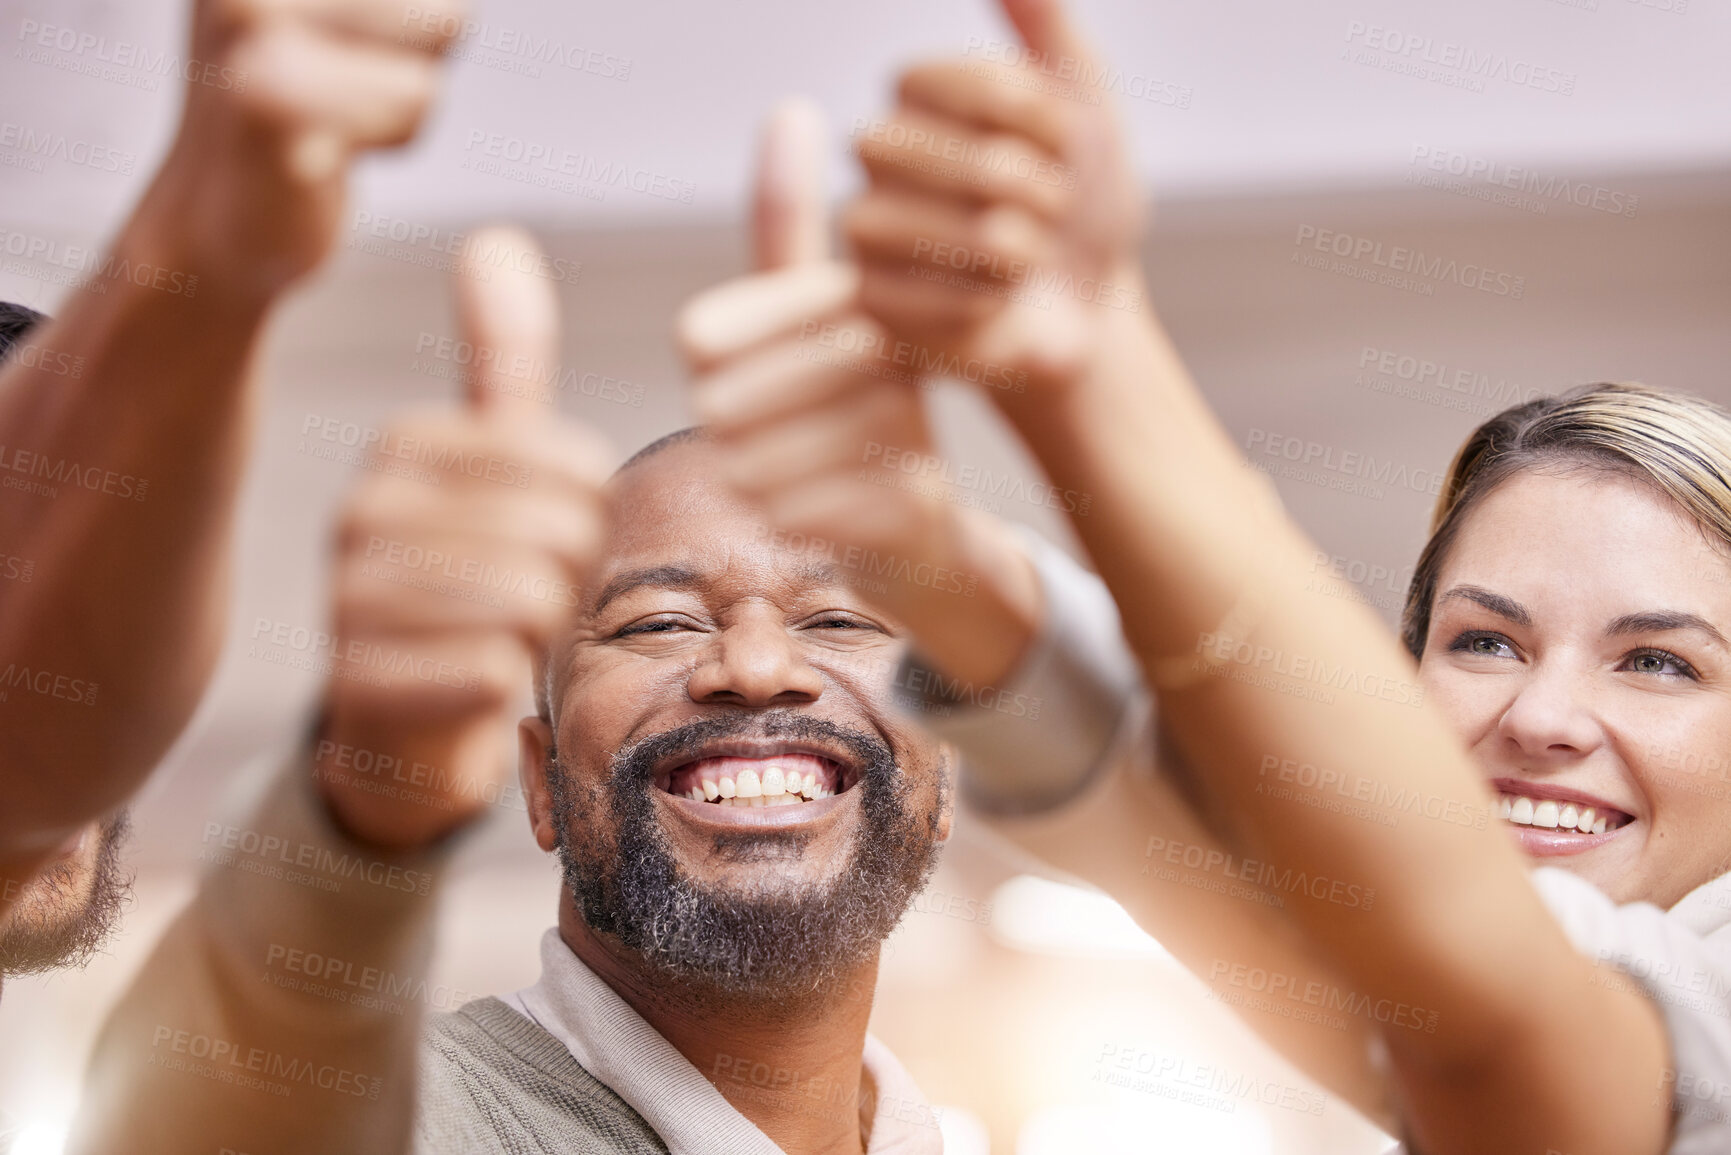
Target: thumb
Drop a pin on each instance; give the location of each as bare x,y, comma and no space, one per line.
790,221
511,319
1046,27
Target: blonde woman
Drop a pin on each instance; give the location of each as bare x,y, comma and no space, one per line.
1570,618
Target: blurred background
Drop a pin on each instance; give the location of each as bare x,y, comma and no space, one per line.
1573,155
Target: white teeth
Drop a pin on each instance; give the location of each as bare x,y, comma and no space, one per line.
696,794
726,788
810,787
795,781
710,790
1551,815
774,783
747,784
758,801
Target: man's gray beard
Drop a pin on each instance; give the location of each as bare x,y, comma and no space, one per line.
766,945
69,933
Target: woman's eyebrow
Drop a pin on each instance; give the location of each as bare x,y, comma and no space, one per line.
1658,621
1503,607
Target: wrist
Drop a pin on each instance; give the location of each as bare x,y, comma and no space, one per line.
389,789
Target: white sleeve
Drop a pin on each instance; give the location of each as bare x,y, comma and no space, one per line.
1687,977
1034,742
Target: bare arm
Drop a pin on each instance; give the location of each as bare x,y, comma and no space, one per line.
134,429
305,954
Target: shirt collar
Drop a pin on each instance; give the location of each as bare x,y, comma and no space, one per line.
619,1047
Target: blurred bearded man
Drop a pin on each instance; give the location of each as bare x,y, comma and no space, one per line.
742,816
62,915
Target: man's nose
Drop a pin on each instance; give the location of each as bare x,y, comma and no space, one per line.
757,662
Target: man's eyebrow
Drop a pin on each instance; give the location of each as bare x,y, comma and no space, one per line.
672,577
1658,621
1503,607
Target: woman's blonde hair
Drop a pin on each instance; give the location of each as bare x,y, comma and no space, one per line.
1680,445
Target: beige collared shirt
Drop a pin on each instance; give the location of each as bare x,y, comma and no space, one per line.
619,1047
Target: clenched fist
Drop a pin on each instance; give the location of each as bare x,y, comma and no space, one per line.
284,94
1003,220
445,592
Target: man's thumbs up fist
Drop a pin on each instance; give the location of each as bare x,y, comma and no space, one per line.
281,96
447,589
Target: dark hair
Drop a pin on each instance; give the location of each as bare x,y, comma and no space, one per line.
15,321
1679,445
677,437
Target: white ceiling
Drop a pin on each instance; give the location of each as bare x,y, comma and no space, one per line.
1272,103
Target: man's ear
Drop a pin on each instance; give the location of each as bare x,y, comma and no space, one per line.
949,765
534,762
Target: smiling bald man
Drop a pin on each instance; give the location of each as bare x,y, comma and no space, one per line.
742,816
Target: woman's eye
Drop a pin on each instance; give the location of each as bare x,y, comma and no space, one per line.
1485,645
1661,662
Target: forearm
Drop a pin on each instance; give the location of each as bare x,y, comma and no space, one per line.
281,1011
1189,546
133,466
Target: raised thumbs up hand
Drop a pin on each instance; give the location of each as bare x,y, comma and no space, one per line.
1003,220
458,561
819,412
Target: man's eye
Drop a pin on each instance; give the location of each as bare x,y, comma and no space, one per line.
654,626
1484,645
839,623
1661,662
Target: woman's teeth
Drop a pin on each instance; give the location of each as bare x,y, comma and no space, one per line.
776,787
1548,814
